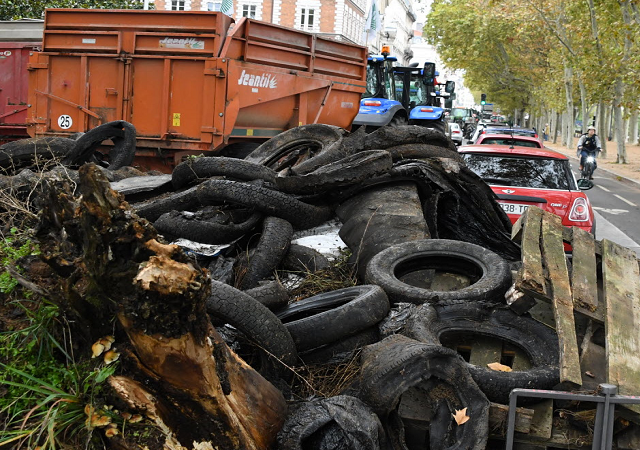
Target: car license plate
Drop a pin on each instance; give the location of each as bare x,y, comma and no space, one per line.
514,208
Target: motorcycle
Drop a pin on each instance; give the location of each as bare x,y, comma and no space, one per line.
588,167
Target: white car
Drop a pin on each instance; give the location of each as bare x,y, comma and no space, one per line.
455,133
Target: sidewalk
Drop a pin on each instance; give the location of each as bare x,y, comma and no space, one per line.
628,172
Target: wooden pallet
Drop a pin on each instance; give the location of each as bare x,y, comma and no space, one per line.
602,285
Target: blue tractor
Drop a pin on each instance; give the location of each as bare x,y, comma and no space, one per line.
381,103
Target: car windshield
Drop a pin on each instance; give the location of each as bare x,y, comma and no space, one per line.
539,173
459,112
509,141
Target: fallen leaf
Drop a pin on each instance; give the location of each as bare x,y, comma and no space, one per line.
460,416
499,367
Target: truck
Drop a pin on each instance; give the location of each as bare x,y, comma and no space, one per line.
17,40
191,82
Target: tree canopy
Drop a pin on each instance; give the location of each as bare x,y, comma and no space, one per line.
34,9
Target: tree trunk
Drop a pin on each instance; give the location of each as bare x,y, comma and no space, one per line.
567,140
618,122
584,110
633,128
602,120
179,370
556,124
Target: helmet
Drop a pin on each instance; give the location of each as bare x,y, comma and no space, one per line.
591,127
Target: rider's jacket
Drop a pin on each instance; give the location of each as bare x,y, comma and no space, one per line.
589,143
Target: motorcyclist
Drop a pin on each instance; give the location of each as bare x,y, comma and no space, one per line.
589,145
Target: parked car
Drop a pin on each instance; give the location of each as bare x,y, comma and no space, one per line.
525,176
509,139
455,133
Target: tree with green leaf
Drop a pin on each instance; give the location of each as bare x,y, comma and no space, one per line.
34,9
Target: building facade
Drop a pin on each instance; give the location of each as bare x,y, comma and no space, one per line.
343,20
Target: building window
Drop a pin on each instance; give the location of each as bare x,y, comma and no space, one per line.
249,11
214,6
177,5
307,19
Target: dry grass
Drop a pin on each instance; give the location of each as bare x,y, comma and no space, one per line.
325,380
337,276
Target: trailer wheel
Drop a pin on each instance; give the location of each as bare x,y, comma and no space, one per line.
120,132
403,271
296,145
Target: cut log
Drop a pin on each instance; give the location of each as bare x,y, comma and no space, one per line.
583,276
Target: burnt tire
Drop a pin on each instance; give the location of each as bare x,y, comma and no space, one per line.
533,338
489,274
271,294
273,203
422,151
397,366
386,137
304,259
294,146
272,246
344,172
180,201
258,324
24,152
178,224
120,132
195,170
340,422
332,316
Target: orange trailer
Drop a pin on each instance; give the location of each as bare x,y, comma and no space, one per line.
190,82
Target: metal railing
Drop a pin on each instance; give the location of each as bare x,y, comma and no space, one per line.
605,397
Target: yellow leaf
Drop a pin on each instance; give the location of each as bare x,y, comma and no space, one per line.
499,367
460,416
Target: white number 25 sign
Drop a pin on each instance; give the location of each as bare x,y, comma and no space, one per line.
65,122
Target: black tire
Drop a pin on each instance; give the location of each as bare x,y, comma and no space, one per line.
198,169
344,172
398,364
535,339
489,274
304,259
179,201
422,151
331,316
273,203
258,324
342,350
296,145
120,132
273,245
397,121
340,422
386,137
271,294
22,153
204,230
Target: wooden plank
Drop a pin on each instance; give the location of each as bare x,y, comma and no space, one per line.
584,279
622,306
556,266
518,227
542,422
531,276
498,416
485,351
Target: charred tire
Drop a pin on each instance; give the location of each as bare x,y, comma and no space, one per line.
397,364
331,316
179,201
422,151
300,215
340,422
538,341
489,273
257,323
344,172
120,132
177,224
386,137
17,154
304,259
199,169
271,294
273,245
343,349
296,145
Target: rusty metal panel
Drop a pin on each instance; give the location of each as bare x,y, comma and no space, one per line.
14,57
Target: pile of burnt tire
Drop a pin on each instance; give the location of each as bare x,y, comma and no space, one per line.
432,255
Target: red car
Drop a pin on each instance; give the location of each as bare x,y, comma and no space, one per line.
509,140
524,176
